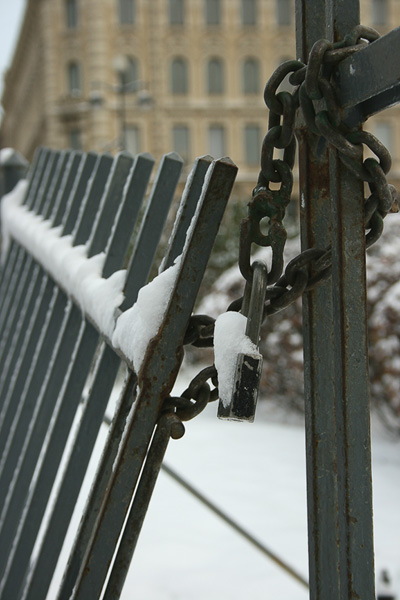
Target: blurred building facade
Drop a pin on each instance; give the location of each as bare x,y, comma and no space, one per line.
157,75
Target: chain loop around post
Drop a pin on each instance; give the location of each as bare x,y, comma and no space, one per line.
315,96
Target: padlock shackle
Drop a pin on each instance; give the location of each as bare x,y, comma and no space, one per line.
255,308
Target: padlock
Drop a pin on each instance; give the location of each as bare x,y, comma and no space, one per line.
247,373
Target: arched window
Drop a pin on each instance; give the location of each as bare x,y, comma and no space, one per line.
380,12
285,85
128,77
249,12
179,76
75,139
181,141
215,76
126,12
251,76
216,141
132,139
74,81
213,12
176,12
383,130
252,144
71,7
284,12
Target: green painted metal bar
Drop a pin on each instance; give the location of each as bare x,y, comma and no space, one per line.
13,293
30,296
22,300
8,261
35,334
144,250
28,402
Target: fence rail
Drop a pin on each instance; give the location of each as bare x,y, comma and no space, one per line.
69,280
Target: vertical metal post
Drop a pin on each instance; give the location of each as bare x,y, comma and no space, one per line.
317,327
351,359
335,347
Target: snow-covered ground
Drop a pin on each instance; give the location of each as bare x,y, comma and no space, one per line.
256,473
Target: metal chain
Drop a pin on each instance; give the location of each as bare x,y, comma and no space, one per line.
195,398
316,97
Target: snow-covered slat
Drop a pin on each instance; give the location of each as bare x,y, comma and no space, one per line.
8,261
17,255
106,369
28,295
70,235
115,196
36,317
156,377
91,421
25,299
75,344
24,406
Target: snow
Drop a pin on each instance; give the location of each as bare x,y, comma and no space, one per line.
139,324
257,475
78,275
6,154
230,340
14,198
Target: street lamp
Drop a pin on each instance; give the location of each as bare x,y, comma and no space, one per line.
123,69
128,83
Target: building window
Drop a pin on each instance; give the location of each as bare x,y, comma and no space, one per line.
215,76
216,141
249,12
132,139
213,12
75,139
384,132
251,76
176,12
380,12
179,76
181,141
74,79
284,12
126,12
252,144
285,85
72,13
128,78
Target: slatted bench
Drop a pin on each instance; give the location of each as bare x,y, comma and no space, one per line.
73,304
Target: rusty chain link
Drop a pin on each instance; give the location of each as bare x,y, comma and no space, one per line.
315,95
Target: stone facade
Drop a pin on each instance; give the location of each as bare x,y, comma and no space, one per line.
156,76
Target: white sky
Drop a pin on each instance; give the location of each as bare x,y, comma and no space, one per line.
11,13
